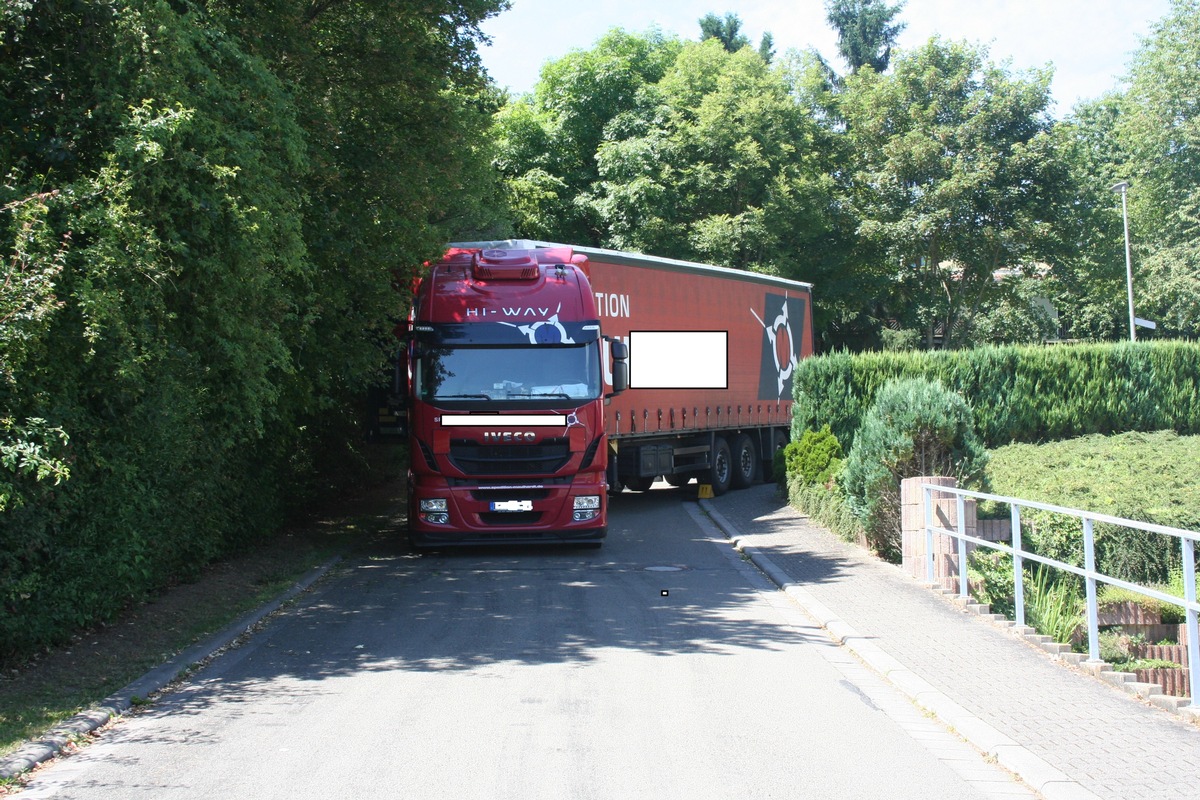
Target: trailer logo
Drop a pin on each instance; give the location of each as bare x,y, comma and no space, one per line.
781,347
546,331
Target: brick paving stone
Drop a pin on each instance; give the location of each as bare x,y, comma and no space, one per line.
1094,733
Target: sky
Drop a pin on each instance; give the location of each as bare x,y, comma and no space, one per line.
1089,42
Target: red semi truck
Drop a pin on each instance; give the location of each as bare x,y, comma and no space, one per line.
528,402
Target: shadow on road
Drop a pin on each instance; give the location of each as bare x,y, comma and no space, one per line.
658,587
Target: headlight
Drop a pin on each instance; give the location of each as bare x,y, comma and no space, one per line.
590,501
434,504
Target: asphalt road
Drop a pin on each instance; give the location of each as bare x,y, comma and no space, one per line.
660,666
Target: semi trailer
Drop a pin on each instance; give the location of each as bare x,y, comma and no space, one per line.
539,378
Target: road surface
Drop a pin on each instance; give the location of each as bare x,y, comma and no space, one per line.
660,666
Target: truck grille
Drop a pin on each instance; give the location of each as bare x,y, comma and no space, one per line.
496,495
546,457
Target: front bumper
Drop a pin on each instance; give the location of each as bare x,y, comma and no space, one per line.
517,512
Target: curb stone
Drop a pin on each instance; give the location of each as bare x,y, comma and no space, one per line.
1043,778
79,726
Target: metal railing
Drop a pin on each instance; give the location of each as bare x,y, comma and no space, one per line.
1088,572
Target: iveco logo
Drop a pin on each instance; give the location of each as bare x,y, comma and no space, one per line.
509,436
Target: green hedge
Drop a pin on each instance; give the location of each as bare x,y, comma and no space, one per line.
205,209
1018,394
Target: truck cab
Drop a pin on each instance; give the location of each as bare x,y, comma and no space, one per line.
506,400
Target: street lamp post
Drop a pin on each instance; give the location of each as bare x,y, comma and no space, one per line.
1122,187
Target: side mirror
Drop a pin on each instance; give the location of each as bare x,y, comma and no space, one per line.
400,375
620,367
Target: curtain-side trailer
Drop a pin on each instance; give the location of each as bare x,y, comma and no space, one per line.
711,356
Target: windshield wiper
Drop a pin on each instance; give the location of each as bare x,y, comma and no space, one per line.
552,394
461,397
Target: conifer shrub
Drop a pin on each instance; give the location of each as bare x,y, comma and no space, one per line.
1149,477
816,457
915,427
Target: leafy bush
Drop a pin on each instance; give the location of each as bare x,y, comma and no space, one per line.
1018,393
1115,646
901,340
1169,613
1149,663
916,427
990,574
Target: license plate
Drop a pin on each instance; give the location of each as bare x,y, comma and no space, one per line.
512,505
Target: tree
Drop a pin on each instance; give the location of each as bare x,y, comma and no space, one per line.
547,143
689,151
727,31
717,164
1160,126
1159,132
766,47
954,175
153,174
395,109
1168,285
1087,282
866,31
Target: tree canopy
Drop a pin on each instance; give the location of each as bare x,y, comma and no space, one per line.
925,190
900,193
955,177
1158,131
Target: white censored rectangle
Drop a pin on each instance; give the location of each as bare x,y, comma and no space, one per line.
679,359
523,420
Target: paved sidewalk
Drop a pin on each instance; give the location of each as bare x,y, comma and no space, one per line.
1066,733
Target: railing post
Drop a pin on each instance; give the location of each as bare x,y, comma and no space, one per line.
1018,567
928,534
962,547
1189,594
1089,564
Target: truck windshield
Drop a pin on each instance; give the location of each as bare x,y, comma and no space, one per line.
485,374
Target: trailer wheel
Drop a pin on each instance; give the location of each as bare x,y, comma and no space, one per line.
720,474
745,462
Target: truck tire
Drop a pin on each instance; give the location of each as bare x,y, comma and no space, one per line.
720,474
639,483
745,461
679,480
